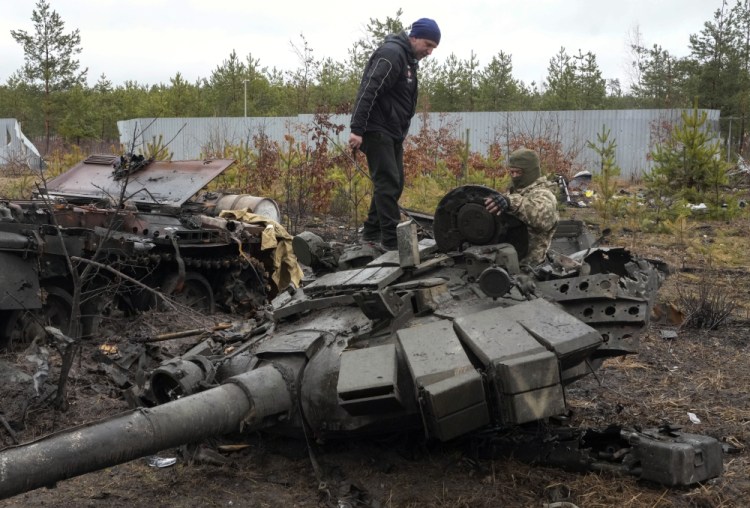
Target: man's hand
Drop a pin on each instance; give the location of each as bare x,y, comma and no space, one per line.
496,203
354,141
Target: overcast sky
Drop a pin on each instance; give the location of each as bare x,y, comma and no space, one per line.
149,41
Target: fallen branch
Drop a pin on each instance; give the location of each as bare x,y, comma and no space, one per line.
138,283
185,333
70,353
7,426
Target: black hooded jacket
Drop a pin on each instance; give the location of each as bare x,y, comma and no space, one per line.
387,96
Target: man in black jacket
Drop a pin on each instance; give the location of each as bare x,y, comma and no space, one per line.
385,103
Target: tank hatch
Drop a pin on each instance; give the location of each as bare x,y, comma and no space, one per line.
168,183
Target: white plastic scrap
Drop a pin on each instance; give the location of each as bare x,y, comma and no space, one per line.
155,461
694,418
40,359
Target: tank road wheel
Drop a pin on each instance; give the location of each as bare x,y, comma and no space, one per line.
10,329
195,291
461,217
57,308
20,326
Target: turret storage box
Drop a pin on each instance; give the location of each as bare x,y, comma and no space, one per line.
450,390
522,349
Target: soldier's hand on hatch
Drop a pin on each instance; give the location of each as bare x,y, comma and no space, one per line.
496,203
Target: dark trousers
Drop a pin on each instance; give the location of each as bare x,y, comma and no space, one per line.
385,157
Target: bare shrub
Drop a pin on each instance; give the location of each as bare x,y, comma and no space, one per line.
707,306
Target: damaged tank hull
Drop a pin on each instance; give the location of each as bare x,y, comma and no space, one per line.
448,338
142,225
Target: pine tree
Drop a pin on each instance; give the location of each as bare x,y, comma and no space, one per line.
605,180
688,164
720,55
593,89
49,56
662,77
562,91
497,89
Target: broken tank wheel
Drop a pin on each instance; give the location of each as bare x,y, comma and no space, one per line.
21,326
194,292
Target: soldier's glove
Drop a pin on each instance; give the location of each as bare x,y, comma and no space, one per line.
526,285
496,203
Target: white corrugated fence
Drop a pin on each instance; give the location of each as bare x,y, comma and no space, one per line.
635,131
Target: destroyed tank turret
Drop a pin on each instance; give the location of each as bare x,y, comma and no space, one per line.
138,218
447,336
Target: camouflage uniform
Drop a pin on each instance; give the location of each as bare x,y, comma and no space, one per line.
532,200
536,206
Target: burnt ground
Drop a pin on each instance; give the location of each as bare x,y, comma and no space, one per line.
704,372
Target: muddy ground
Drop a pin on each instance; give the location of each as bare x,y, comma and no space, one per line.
704,372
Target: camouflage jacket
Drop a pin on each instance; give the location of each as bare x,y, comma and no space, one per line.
536,206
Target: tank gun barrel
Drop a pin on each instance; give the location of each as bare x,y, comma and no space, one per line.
250,400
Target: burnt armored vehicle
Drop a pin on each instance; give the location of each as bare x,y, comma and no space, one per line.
447,336
143,219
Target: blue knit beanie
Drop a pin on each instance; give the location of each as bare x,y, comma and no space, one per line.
425,28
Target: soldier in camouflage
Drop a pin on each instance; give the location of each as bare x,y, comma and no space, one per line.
532,200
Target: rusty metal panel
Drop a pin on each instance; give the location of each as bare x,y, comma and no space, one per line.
169,183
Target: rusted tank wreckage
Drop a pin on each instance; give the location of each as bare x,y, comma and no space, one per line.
146,221
448,336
